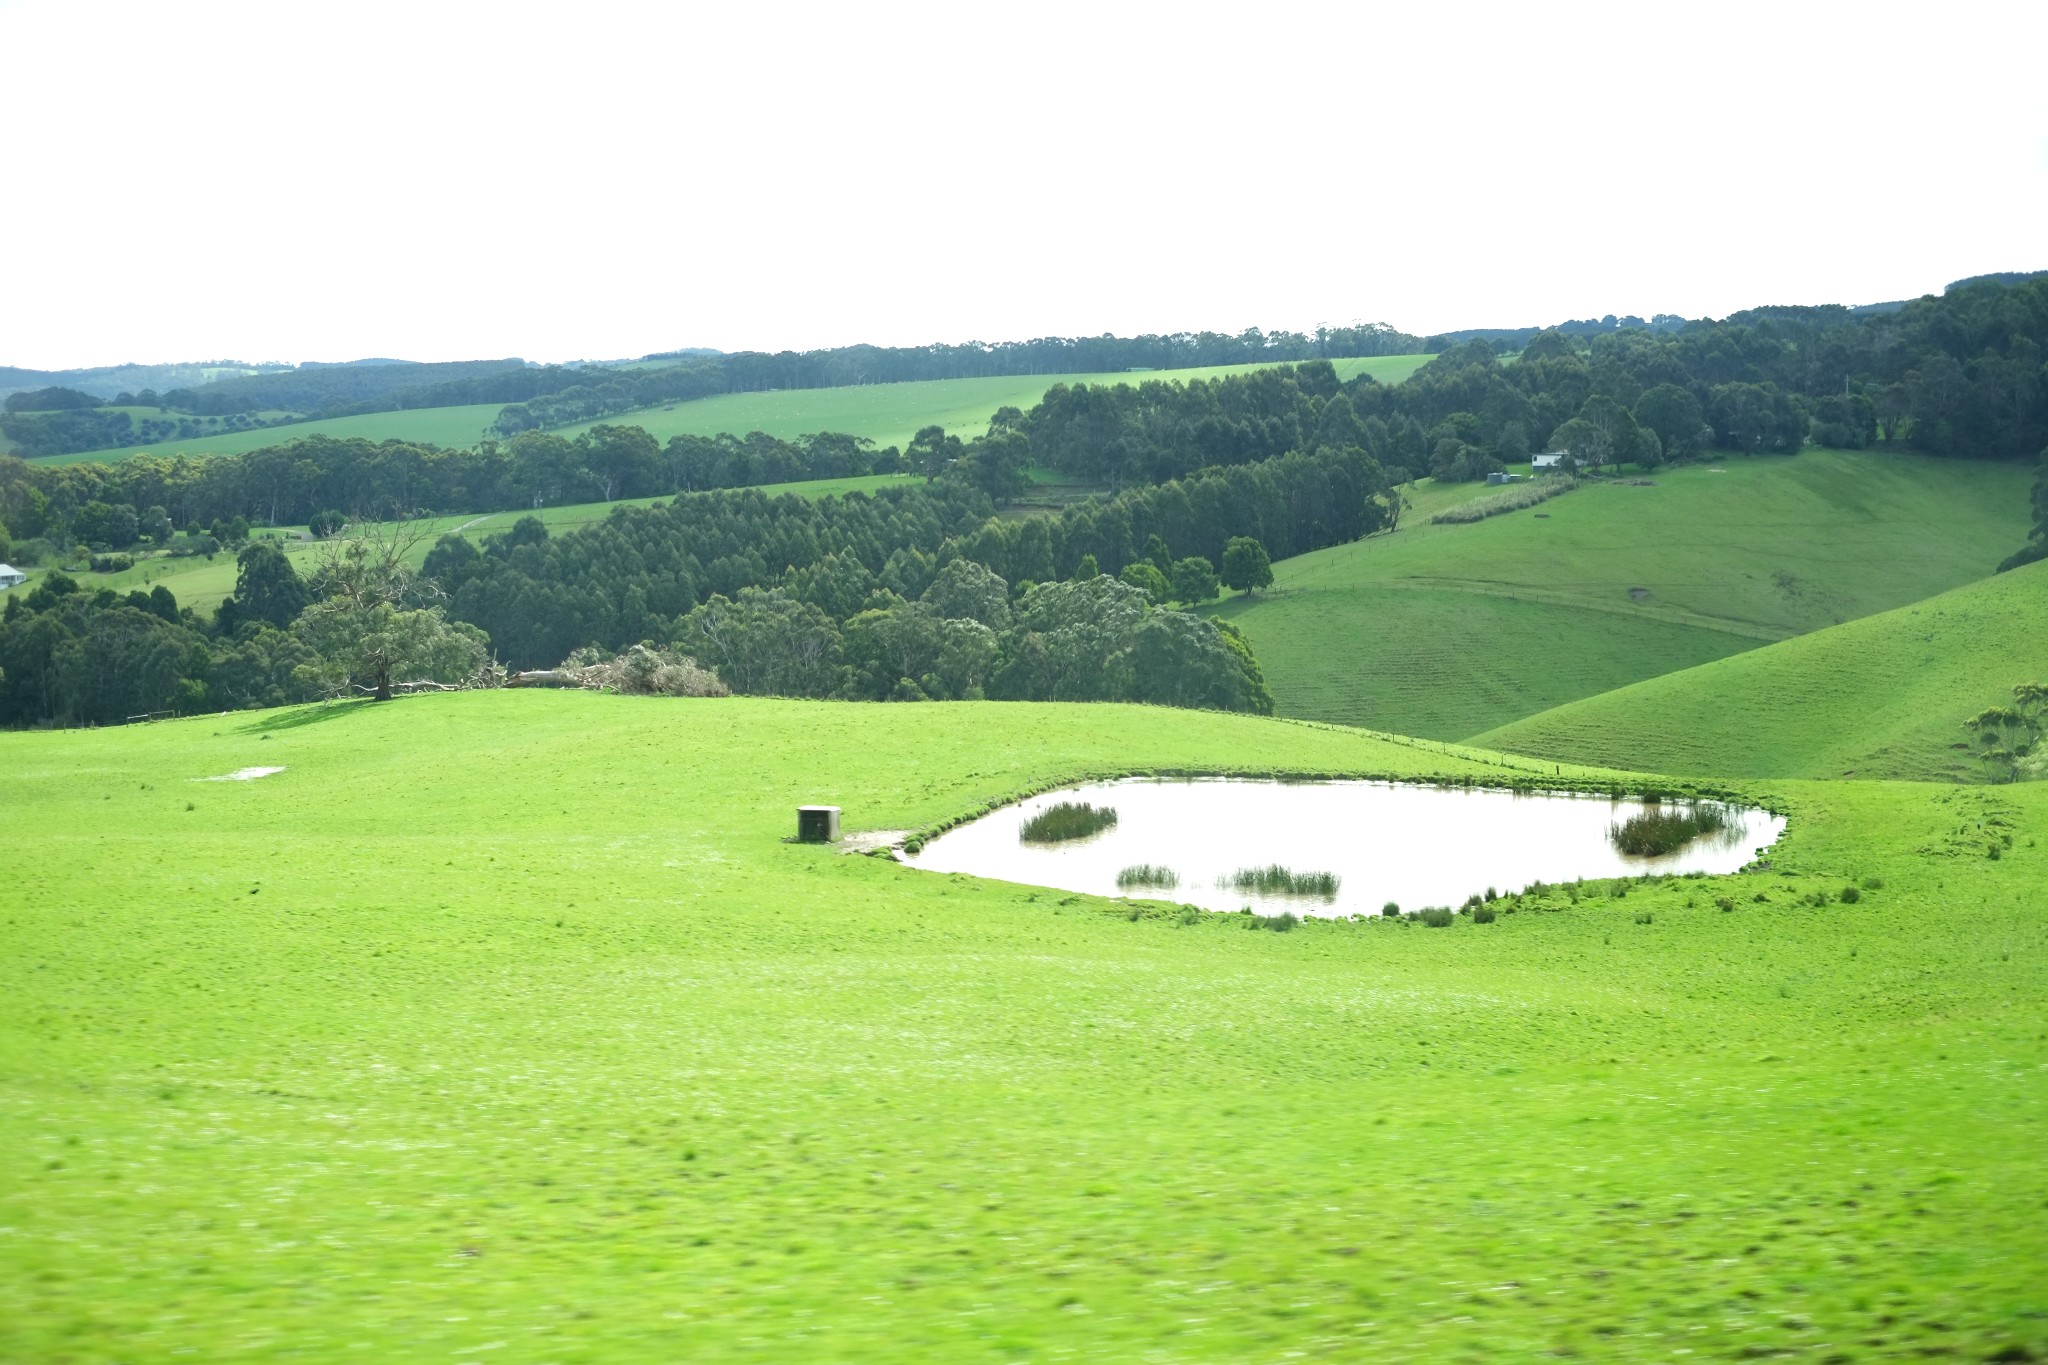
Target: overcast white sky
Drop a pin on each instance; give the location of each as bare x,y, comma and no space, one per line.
443,181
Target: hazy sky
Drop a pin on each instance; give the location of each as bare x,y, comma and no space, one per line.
440,181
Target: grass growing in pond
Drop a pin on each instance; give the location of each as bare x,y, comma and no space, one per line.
1280,881
1661,829
1147,874
1067,820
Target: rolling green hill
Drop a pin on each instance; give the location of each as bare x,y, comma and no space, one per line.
505,1027
1450,630
459,426
890,414
1885,696
886,413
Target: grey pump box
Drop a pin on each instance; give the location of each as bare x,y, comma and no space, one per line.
817,824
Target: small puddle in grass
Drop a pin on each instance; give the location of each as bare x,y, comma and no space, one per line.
1417,846
241,775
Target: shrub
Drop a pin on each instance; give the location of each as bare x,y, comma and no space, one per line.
1491,894
1391,910
1280,923
1660,830
1644,918
1850,895
1473,901
1067,820
1726,903
1873,883
1279,881
1485,914
1147,874
1437,917
112,563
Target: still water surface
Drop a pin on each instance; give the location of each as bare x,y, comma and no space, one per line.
1414,845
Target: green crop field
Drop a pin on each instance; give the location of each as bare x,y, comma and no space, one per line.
886,413
505,1027
1450,630
1885,696
202,583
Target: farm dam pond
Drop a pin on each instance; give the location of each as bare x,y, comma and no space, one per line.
1336,847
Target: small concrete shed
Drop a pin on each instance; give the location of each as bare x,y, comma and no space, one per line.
817,824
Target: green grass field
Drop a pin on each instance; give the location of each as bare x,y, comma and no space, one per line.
202,583
890,414
458,427
1885,696
1448,631
887,413
504,1027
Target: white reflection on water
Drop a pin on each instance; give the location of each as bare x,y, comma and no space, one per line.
1415,845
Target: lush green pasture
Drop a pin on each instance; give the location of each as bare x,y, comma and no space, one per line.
202,583
890,414
505,1027
1885,696
887,413
1452,630
458,426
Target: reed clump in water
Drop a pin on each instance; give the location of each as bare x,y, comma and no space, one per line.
1280,881
1663,829
1067,820
1147,875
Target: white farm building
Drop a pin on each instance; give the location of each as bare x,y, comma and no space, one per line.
11,577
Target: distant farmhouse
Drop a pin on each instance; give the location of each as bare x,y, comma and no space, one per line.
1549,459
11,577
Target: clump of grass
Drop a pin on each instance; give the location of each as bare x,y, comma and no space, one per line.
1067,820
1850,895
1280,881
1279,924
1437,916
1726,903
1147,874
1873,883
1662,829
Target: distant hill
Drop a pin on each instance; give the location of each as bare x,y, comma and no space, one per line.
1883,697
110,381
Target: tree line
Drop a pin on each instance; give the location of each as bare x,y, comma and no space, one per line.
1957,375
919,591
53,509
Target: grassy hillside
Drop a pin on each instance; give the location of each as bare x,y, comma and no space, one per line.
1451,630
458,426
1885,696
891,414
202,583
887,413
505,1027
